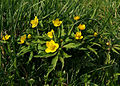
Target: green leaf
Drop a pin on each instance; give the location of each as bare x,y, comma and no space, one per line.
72,45
93,50
93,43
43,47
53,65
115,51
62,31
62,61
118,48
24,51
30,57
65,55
39,41
0,56
82,48
107,58
45,55
68,40
3,41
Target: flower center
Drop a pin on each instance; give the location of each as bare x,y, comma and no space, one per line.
52,47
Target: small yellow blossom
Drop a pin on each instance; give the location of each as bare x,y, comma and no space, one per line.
22,39
78,35
57,22
95,34
81,26
108,43
29,36
51,46
6,37
34,22
76,17
50,34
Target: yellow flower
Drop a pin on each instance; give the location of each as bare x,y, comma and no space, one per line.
78,35
29,36
108,43
76,17
57,22
51,46
34,22
22,39
50,34
81,26
6,37
95,34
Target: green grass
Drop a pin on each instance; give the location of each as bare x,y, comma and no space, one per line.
88,62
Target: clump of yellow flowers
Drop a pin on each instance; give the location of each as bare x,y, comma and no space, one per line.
50,34
51,46
78,35
34,22
22,39
81,26
56,22
76,17
6,37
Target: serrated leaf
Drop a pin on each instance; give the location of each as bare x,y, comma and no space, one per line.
72,45
45,55
53,65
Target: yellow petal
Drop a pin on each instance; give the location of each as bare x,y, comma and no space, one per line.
47,43
57,45
81,37
60,22
57,19
32,22
50,34
36,18
47,50
76,37
53,21
21,42
29,36
3,38
52,42
52,31
7,37
76,17
81,27
95,34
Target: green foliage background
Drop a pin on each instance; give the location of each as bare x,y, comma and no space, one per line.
89,62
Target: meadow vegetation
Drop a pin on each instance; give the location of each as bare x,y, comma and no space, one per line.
60,42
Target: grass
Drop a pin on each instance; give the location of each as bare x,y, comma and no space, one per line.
82,63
